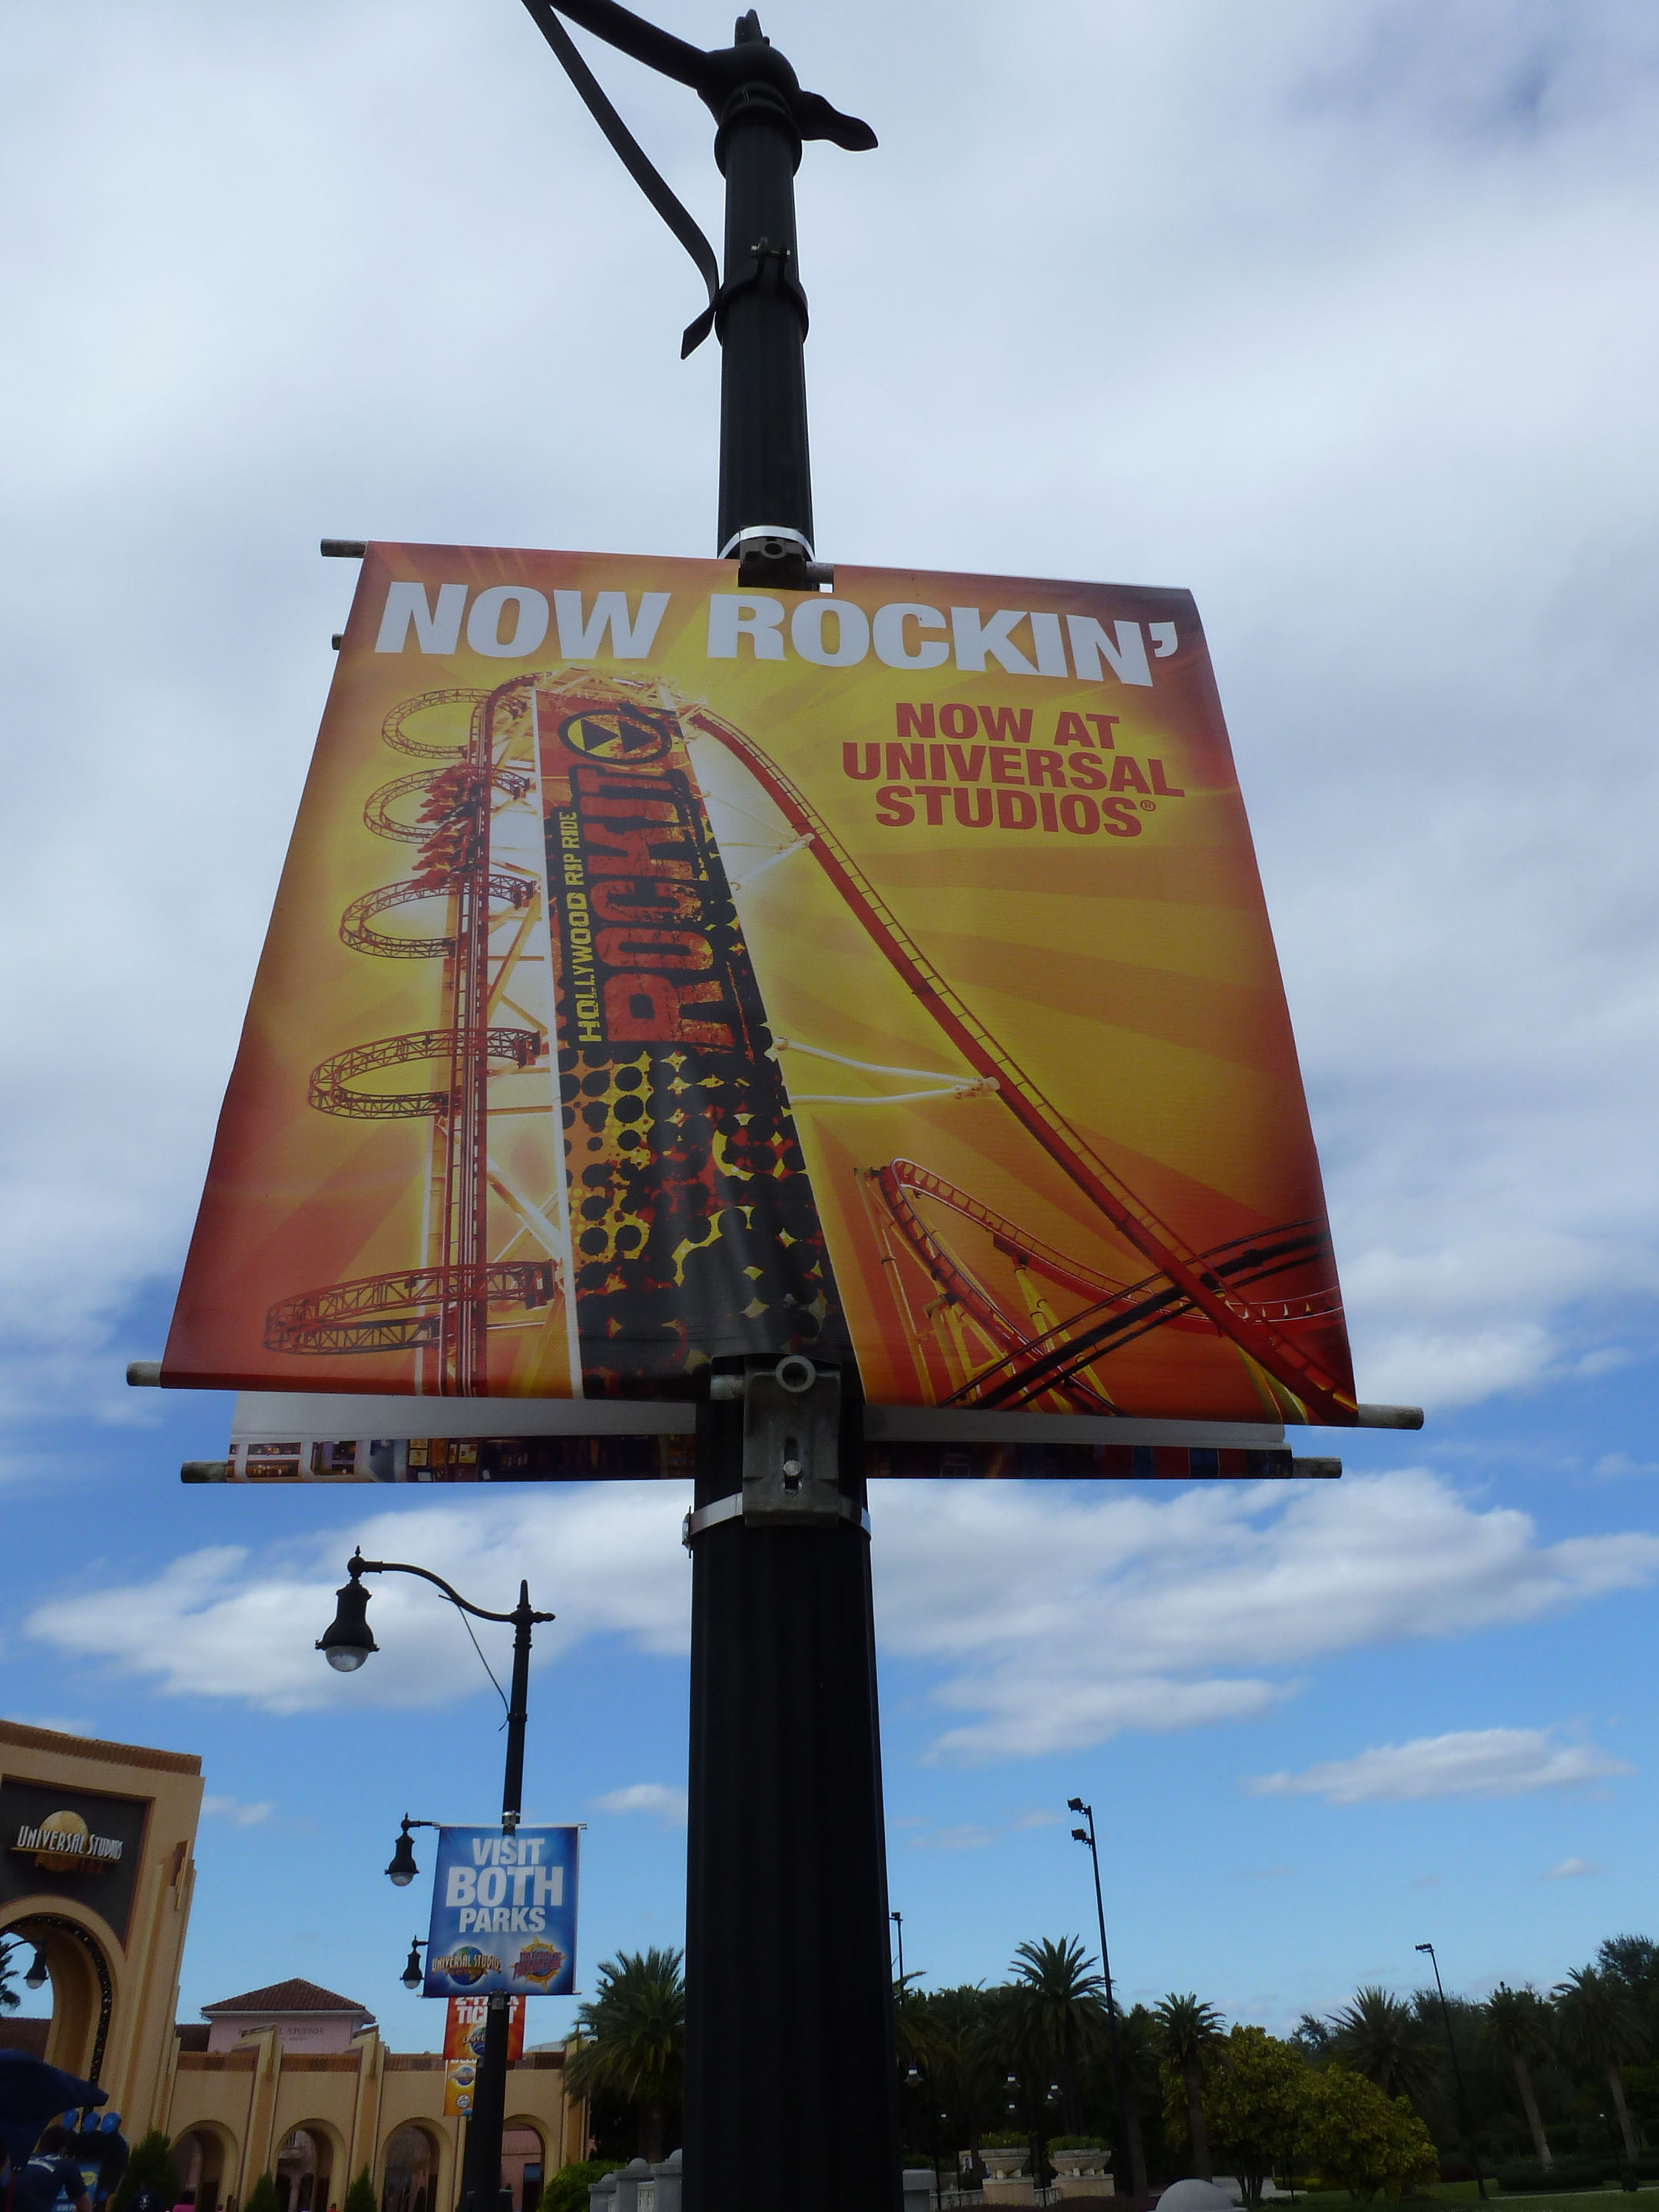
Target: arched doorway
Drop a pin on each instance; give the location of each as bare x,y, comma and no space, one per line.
203,2156
302,2172
83,1992
524,2163
411,2172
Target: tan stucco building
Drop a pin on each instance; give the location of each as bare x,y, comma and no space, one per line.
295,2081
97,1870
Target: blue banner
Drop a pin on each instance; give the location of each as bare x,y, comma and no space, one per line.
503,1913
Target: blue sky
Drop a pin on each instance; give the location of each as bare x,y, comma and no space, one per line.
1336,316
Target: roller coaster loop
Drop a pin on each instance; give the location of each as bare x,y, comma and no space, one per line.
331,1083
401,1312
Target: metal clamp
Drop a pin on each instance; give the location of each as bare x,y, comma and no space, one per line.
791,1449
731,1509
761,536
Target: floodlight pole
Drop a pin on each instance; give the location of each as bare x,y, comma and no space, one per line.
789,2004
1457,2070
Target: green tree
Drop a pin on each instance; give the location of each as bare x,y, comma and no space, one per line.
1060,2014
263,2197
1600,2027
1361,2138
359,2197
1516,2030
151,2165
9,1998
1188,2032
632,2040
1253,2102
1381,2037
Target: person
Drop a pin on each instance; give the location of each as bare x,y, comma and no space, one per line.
36,2185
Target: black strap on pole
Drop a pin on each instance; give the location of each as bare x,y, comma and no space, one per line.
638,165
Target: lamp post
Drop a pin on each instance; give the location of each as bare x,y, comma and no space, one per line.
1119,2107
788,1980
898,1919
346,1644
1457,2070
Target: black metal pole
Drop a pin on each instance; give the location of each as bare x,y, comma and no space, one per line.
1121,2110
789,2022
898,1919
480,2178
1457,2070
766,472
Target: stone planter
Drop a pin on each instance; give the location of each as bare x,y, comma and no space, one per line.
1006,2161
1081,2173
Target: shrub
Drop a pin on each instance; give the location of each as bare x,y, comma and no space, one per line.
152,2165
567,2190
1530,2179
263,2197
360,2197
1075,2143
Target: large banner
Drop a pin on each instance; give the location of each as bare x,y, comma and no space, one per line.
662,971
503,1913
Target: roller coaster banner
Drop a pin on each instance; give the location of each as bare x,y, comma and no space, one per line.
663,971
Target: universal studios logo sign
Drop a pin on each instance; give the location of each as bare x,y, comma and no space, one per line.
62,1844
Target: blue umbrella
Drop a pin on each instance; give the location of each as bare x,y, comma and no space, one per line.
31,2094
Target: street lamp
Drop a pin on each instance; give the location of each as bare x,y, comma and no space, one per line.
898,1919
414,1974
349,1640
1119,2107
36,1977
346,1643
402,1869
1457,2071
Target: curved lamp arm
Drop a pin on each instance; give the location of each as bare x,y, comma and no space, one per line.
357,1565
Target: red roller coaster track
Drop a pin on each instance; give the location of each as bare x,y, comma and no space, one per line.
1192,1276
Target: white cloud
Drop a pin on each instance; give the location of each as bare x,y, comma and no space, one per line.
965,1836
233,1810
668,1803
1049,1616
1059,1615
1499,1762
1569,1869
218,1623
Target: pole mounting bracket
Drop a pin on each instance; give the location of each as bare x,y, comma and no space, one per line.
791,1451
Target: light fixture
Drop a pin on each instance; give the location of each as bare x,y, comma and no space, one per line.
1074,1804
348,1640
402,1869
36,1977
1079,1835
414,1975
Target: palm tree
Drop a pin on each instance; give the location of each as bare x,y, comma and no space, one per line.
1058,2013
1600,2025
1515,2028
632,2040
1381,2037
1187,2032
9,1999
1136,2047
